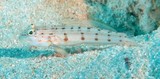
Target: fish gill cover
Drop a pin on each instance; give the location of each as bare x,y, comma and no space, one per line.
133,17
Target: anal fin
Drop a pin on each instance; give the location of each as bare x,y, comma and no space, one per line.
60,52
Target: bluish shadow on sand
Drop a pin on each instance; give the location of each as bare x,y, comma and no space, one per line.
23,53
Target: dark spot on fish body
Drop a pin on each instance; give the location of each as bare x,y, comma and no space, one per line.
82,38
88,28
50,33
63,28
96,33
65,33
109,35
79,28
109,40
42,33
71,27
120,40
82,33
65,37
96,39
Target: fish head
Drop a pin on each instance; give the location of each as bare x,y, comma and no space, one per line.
31,38
40,37
26,34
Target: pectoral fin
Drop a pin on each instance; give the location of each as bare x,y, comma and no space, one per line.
60,52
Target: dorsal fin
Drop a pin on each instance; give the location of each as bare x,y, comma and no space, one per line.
102,25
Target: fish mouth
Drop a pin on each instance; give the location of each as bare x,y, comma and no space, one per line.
21,36
24,37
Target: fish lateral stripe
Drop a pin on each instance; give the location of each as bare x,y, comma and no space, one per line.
72,35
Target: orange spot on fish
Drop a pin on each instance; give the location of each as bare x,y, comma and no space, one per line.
65,39
49,37
82,38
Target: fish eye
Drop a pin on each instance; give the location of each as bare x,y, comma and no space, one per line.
30,32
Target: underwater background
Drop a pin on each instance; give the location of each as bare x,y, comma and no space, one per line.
139,19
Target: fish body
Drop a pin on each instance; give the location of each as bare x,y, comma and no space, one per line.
69,36
61,36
